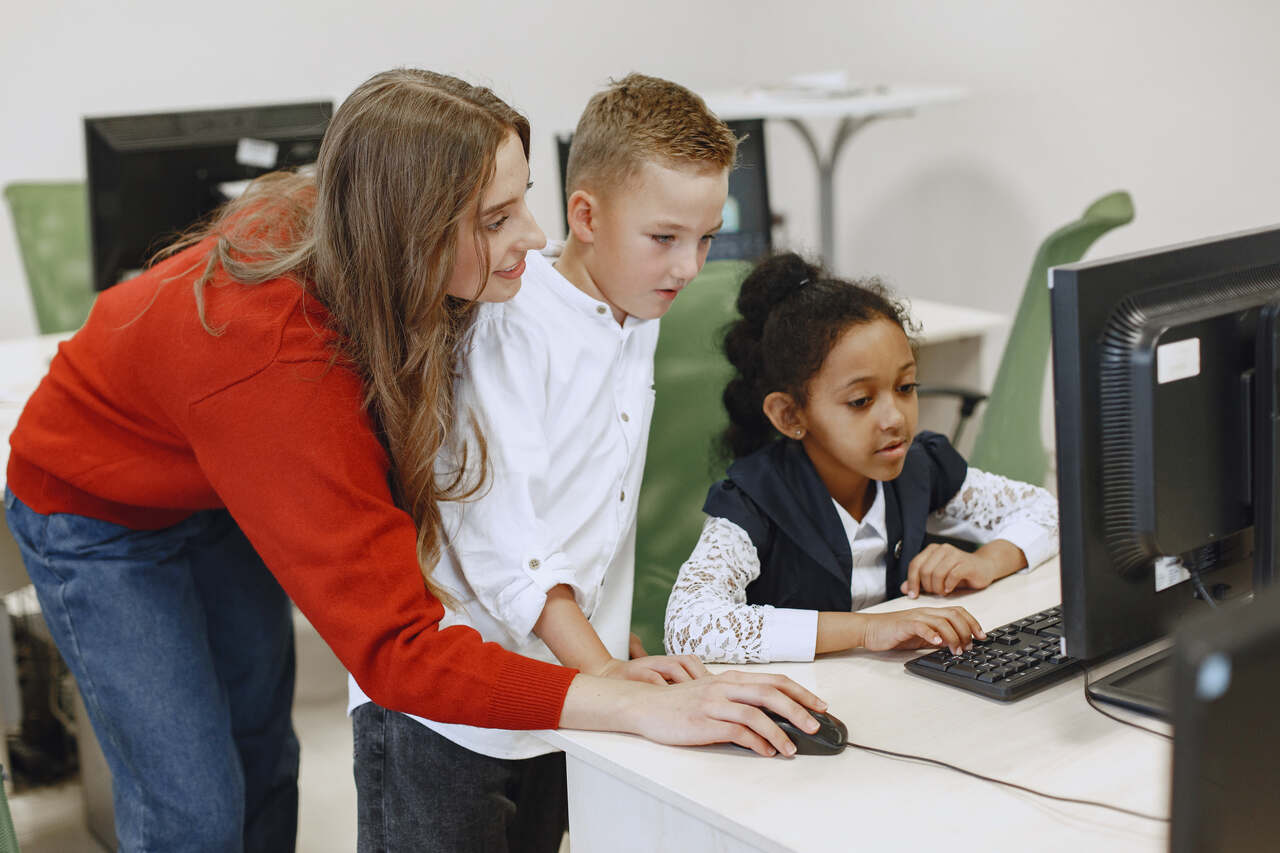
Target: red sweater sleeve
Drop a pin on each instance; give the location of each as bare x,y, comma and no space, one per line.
293,457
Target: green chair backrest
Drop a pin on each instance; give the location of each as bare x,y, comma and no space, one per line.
690,373
52,223
1009,440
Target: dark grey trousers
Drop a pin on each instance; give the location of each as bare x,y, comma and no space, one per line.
419,791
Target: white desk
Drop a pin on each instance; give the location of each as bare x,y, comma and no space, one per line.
854,110
23,363
627,794
958,348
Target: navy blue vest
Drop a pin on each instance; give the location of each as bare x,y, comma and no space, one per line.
776,496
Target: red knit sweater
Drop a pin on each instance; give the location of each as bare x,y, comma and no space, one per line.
145,417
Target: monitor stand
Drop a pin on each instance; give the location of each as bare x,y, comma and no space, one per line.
1145,686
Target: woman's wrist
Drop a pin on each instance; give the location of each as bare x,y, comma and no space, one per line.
594,703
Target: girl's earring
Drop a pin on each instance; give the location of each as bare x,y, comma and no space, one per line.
799,433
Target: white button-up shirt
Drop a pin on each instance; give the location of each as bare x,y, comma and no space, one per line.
563,395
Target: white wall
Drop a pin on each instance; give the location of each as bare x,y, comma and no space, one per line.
1174,101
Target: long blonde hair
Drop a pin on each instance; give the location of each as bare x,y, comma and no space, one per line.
372,234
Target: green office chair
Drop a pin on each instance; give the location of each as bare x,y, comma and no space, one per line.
1009,440
52,223
689,374
8,835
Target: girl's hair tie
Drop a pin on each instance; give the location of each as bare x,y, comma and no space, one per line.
802,282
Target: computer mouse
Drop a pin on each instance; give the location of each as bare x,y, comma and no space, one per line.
829,739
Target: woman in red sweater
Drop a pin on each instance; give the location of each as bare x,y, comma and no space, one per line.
257,416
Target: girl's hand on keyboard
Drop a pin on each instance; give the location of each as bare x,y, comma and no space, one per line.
942,569
921,627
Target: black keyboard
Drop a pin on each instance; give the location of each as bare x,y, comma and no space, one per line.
1014,661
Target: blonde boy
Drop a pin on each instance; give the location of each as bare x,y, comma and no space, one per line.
560,381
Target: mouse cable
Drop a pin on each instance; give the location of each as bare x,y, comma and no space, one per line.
909,757
1095,706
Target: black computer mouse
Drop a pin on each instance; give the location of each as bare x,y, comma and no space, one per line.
829,739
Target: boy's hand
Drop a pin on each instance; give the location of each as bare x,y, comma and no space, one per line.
922,627
635,648
655,669
942,569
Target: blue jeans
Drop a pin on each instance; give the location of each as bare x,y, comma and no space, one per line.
419,792
181,642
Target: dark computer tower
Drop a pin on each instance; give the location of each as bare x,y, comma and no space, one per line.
1226,748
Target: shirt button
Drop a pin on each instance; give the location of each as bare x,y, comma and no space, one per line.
600,309
622,496
625,417
533,564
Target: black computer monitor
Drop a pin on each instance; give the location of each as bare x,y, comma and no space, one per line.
1165,389
152,176
1226,731
748,223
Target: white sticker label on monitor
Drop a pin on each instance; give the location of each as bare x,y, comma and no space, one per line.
1178,360
261,153
1169,572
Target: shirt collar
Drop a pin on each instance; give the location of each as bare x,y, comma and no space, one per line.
872,523
571,294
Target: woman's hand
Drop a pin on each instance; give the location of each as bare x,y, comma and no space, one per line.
942,569
921,627
724,708
655,669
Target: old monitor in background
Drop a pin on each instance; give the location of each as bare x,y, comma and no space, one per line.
152,176
1226,731
1165,388
748,222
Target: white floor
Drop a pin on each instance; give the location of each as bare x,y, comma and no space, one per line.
52,820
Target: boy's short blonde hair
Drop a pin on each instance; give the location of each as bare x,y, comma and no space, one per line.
638,119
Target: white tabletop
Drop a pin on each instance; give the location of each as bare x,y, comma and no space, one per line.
856,103
1051,741
23,363
941,322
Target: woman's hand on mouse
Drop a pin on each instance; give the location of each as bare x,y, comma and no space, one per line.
921,627
655,669
723,708
942,569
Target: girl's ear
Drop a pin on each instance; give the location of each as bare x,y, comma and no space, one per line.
582,207
787,418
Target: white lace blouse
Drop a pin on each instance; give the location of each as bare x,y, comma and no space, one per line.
708,614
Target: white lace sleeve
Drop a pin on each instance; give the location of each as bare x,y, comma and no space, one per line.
989,507
708,615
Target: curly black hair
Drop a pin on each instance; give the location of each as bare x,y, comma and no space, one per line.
792,314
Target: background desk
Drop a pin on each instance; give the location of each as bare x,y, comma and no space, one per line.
23,363
627,794
959,347
853,111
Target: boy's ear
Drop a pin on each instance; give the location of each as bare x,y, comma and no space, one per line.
787,418
582,207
